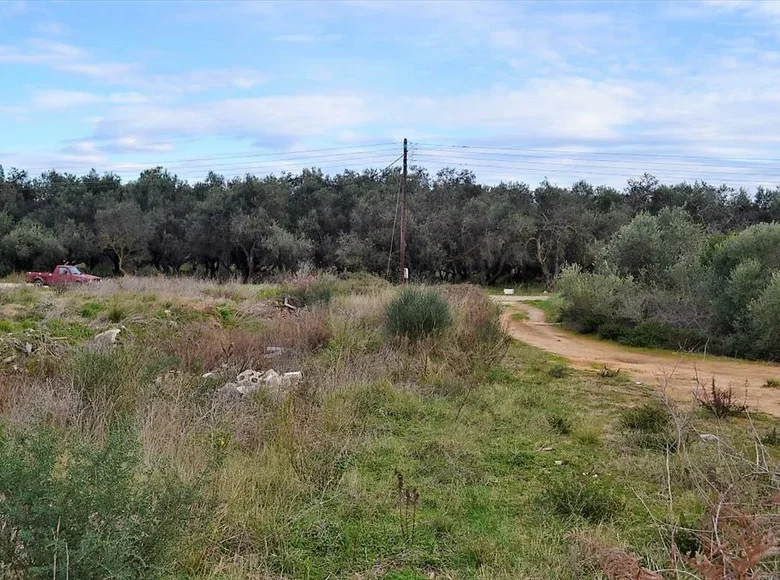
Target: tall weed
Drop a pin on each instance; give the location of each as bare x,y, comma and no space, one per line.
72,509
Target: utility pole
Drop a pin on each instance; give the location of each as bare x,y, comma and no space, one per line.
404,271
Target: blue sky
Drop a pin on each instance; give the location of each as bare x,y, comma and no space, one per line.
563,90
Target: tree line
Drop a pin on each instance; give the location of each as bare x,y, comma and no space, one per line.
256,227
662,280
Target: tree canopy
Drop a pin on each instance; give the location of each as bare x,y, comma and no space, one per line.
458,229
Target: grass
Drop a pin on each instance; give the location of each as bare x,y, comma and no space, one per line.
505,458
548,306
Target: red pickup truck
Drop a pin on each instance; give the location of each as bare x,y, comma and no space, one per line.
60,276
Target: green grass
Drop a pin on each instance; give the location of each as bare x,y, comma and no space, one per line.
547,306
71,332
506,465
493,501
91,309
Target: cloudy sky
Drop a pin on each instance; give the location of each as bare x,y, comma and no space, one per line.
511,90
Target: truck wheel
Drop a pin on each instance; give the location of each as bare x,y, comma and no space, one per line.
38,282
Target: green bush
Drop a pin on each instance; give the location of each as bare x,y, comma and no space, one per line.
765,320
107,380
558,370
589,500
417,313
94,515
117,313
649,426
559,424
318,290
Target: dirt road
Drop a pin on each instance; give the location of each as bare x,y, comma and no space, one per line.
678,372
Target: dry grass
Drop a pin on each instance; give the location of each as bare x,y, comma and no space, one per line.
285,497
26,400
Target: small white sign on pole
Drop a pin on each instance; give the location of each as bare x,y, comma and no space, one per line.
406,273
509,291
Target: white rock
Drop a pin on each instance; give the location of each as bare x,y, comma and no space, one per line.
246,388
558,462
294,377
107,337
272,351
209,375
250,381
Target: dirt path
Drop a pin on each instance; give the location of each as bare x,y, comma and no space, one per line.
648,367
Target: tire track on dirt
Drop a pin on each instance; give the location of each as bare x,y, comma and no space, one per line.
677,371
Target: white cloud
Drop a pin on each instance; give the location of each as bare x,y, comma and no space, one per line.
12,8
295,115
565,108
303,38
119,145
203,80
50,28
69,58
60,99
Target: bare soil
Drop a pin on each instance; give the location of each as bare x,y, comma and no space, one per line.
677,373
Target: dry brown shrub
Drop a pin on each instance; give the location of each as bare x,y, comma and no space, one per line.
719,401
34,400
342,370
614,562
477,336
733,543
181,419
304,331
206,348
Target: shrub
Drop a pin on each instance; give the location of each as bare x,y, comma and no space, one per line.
765,320
477,339
90,516
771,438
772,383
117,313
558,370
107,380
649,426
416,314
607,372
649,418
560,425
569,497
719,402
588,300
312,290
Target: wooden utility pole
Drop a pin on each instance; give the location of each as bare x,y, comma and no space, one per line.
404,272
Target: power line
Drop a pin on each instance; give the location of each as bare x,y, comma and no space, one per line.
573,170
279,154
495,156
627,154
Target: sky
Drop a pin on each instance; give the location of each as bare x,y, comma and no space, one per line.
513,91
